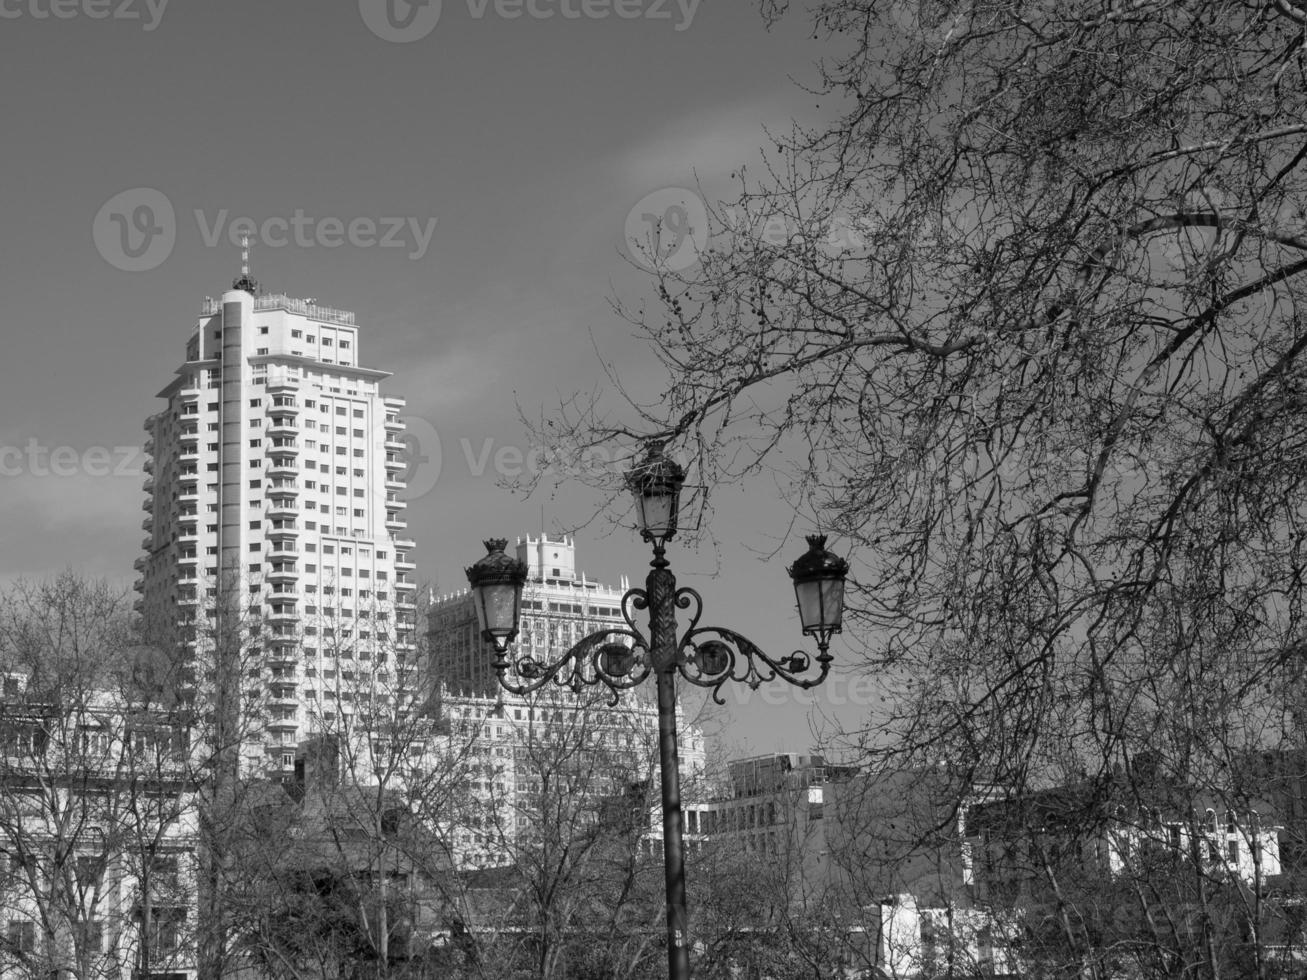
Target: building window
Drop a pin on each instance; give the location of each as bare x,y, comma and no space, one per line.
22,936
164,929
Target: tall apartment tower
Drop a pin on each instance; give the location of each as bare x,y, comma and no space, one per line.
274,522
559,607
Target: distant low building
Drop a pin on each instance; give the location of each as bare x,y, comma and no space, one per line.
98,838
508,745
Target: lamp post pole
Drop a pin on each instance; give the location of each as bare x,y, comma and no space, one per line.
622,658
660,587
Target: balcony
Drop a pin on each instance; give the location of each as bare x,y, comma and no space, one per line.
284,616
148,465
188,558
283,654
283,509
404,585
147,524
283,529
284,406
302,307
394,523
282,467
283,722
283,575
393,462
140,564
394,445
406,543
147,544
283,447
394,424
283,428
394,503
284,488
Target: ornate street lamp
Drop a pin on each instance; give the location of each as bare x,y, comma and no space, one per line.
819,590
656,485
497,593
619,659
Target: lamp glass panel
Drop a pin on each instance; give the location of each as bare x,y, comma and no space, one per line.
832,602
809,597
498,608
655,512
821,604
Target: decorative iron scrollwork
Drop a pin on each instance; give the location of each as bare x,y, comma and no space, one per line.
621,659
710,656
617,658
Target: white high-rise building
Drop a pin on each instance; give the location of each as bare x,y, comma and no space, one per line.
273,503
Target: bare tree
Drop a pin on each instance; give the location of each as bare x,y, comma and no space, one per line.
1023,324
97,804
570,883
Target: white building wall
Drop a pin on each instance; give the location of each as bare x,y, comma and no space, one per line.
274,483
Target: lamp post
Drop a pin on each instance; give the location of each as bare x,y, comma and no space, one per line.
620,659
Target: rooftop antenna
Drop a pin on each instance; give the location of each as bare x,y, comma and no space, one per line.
244,280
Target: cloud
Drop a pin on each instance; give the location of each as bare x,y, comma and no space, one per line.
711,143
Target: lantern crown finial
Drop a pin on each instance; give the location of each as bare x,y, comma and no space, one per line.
495,566
657,469
817,562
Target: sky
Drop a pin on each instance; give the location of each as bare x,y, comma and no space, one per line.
461,175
